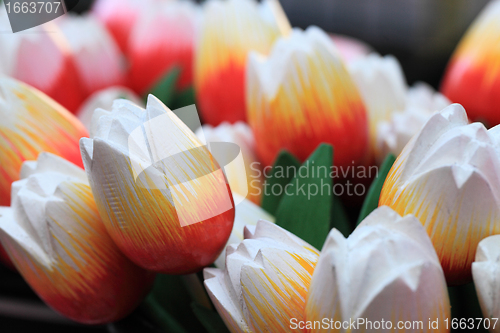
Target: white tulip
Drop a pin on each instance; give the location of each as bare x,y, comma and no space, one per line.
103,99
265,282
448,176
55,237
385,270
486,274
382,85
395,132
246,213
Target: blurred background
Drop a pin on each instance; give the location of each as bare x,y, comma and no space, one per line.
422,34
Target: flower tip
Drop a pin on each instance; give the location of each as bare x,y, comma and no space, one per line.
28,168
153,101
455,112
209,273
87,151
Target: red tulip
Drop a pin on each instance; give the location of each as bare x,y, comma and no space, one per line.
229,31
473,76
162,38
119,17
162,196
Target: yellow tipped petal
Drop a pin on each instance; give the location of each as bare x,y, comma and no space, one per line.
54,235
303,94
163,197
448,176
265,282
32,123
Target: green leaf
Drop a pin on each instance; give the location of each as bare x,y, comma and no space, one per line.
284,169
373,196
209,318
306,209
161,318
164,90
184,98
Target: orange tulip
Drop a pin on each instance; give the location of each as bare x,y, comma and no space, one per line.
163,197
301,96
230,29
54,235
473,74
448,176
32,123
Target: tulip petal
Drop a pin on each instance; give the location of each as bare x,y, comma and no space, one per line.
473,74
448,176
164,199
265,282
230,29
485,271
292,89
54,235
387,269
32,123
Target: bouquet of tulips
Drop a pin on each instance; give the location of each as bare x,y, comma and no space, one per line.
318,192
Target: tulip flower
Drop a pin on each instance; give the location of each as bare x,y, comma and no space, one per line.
386,271
54,235
382,85
67,59
163,197
244,179
230,29
103,99
472,77
485,273
264,284
97,58
448,176
119,17
394,133
32,123
163,38
303,94
246,213
43,60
